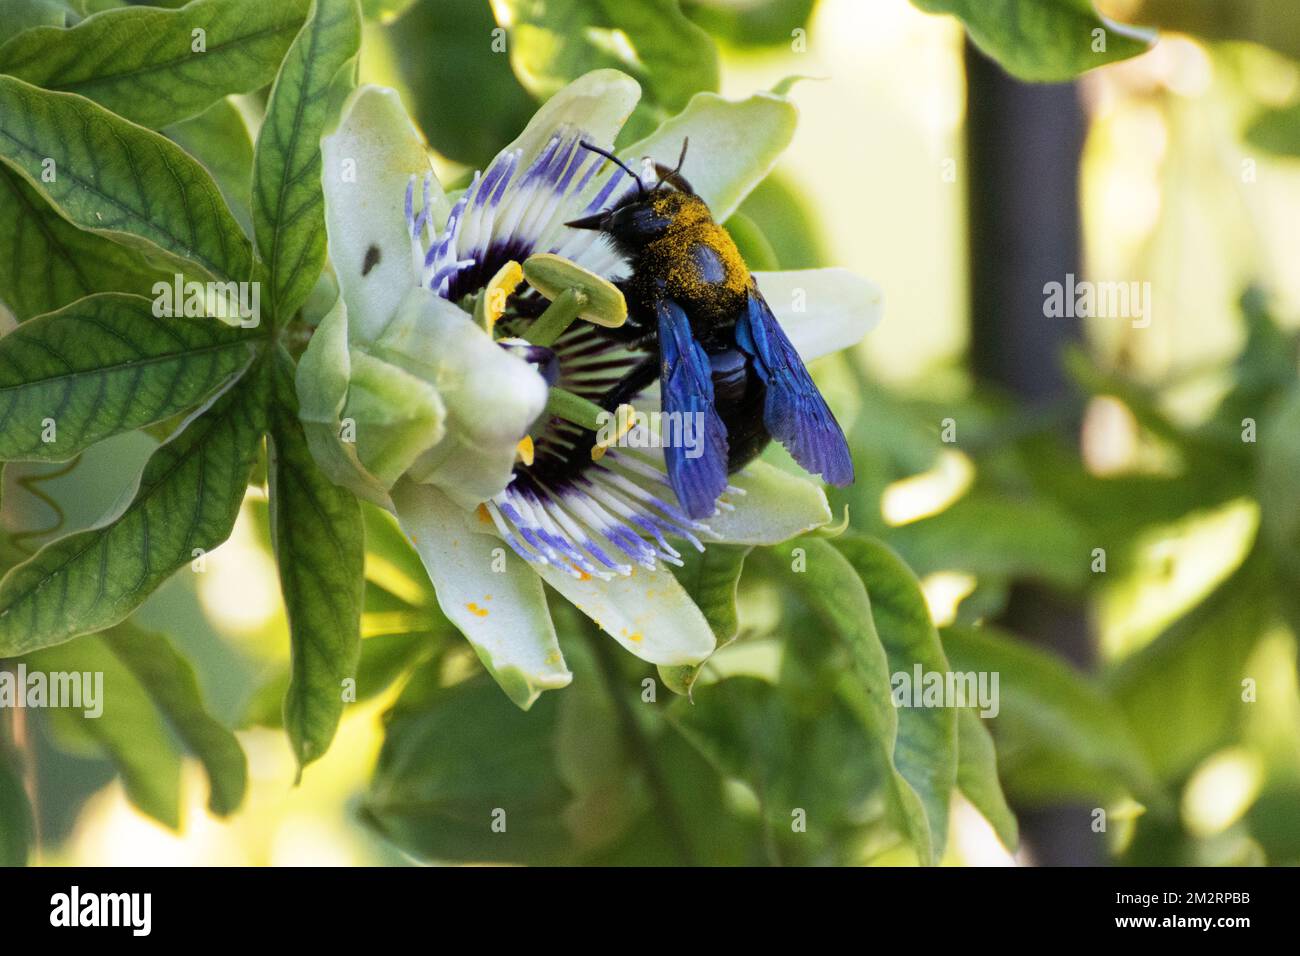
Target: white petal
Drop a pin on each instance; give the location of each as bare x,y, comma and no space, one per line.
822,310
492,396
598,102
366,165
503,614
733,145
776,507
647,612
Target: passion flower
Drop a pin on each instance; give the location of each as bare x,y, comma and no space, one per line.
423,390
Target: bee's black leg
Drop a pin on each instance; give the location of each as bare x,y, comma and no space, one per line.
638,377
633,334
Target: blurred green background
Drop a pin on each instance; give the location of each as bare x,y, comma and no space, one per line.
1188,179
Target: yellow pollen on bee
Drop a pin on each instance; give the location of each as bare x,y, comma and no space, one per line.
525,449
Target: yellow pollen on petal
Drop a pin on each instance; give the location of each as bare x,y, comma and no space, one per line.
476,610
635,638
483,515
525,449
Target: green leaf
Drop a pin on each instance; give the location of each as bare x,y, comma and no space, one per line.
599,775
977,777
778,209
439,51
385,11
187,500
1279,479
1217,447
116,179
452,766
385,659
16,828
169,681
1277,131
593,755
829,585
320,549
1044,41
218,138
392,565
1182,693
926,751
1060,736
289,205
756,23
710,577
801,763
149,66
555,41
130,730
1273,23
105,365
23,15
996,536
46,262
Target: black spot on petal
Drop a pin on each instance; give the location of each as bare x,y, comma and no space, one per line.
371,260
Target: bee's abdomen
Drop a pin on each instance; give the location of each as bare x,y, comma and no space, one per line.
738,395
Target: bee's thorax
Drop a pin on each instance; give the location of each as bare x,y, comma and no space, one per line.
694,262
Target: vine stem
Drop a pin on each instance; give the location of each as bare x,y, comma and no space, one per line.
20,742
632,731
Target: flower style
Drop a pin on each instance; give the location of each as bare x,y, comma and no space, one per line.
415,405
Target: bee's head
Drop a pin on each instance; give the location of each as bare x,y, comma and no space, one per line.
649,213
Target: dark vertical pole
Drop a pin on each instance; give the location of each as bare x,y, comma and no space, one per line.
1023,147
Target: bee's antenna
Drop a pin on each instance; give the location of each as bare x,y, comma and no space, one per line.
640,188
674,175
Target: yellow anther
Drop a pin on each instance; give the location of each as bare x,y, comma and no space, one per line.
525,449
624,422
625,416
493,301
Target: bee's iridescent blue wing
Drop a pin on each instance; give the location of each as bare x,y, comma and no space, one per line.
698,470
794,411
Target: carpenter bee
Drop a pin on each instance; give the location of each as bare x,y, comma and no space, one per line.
712,341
